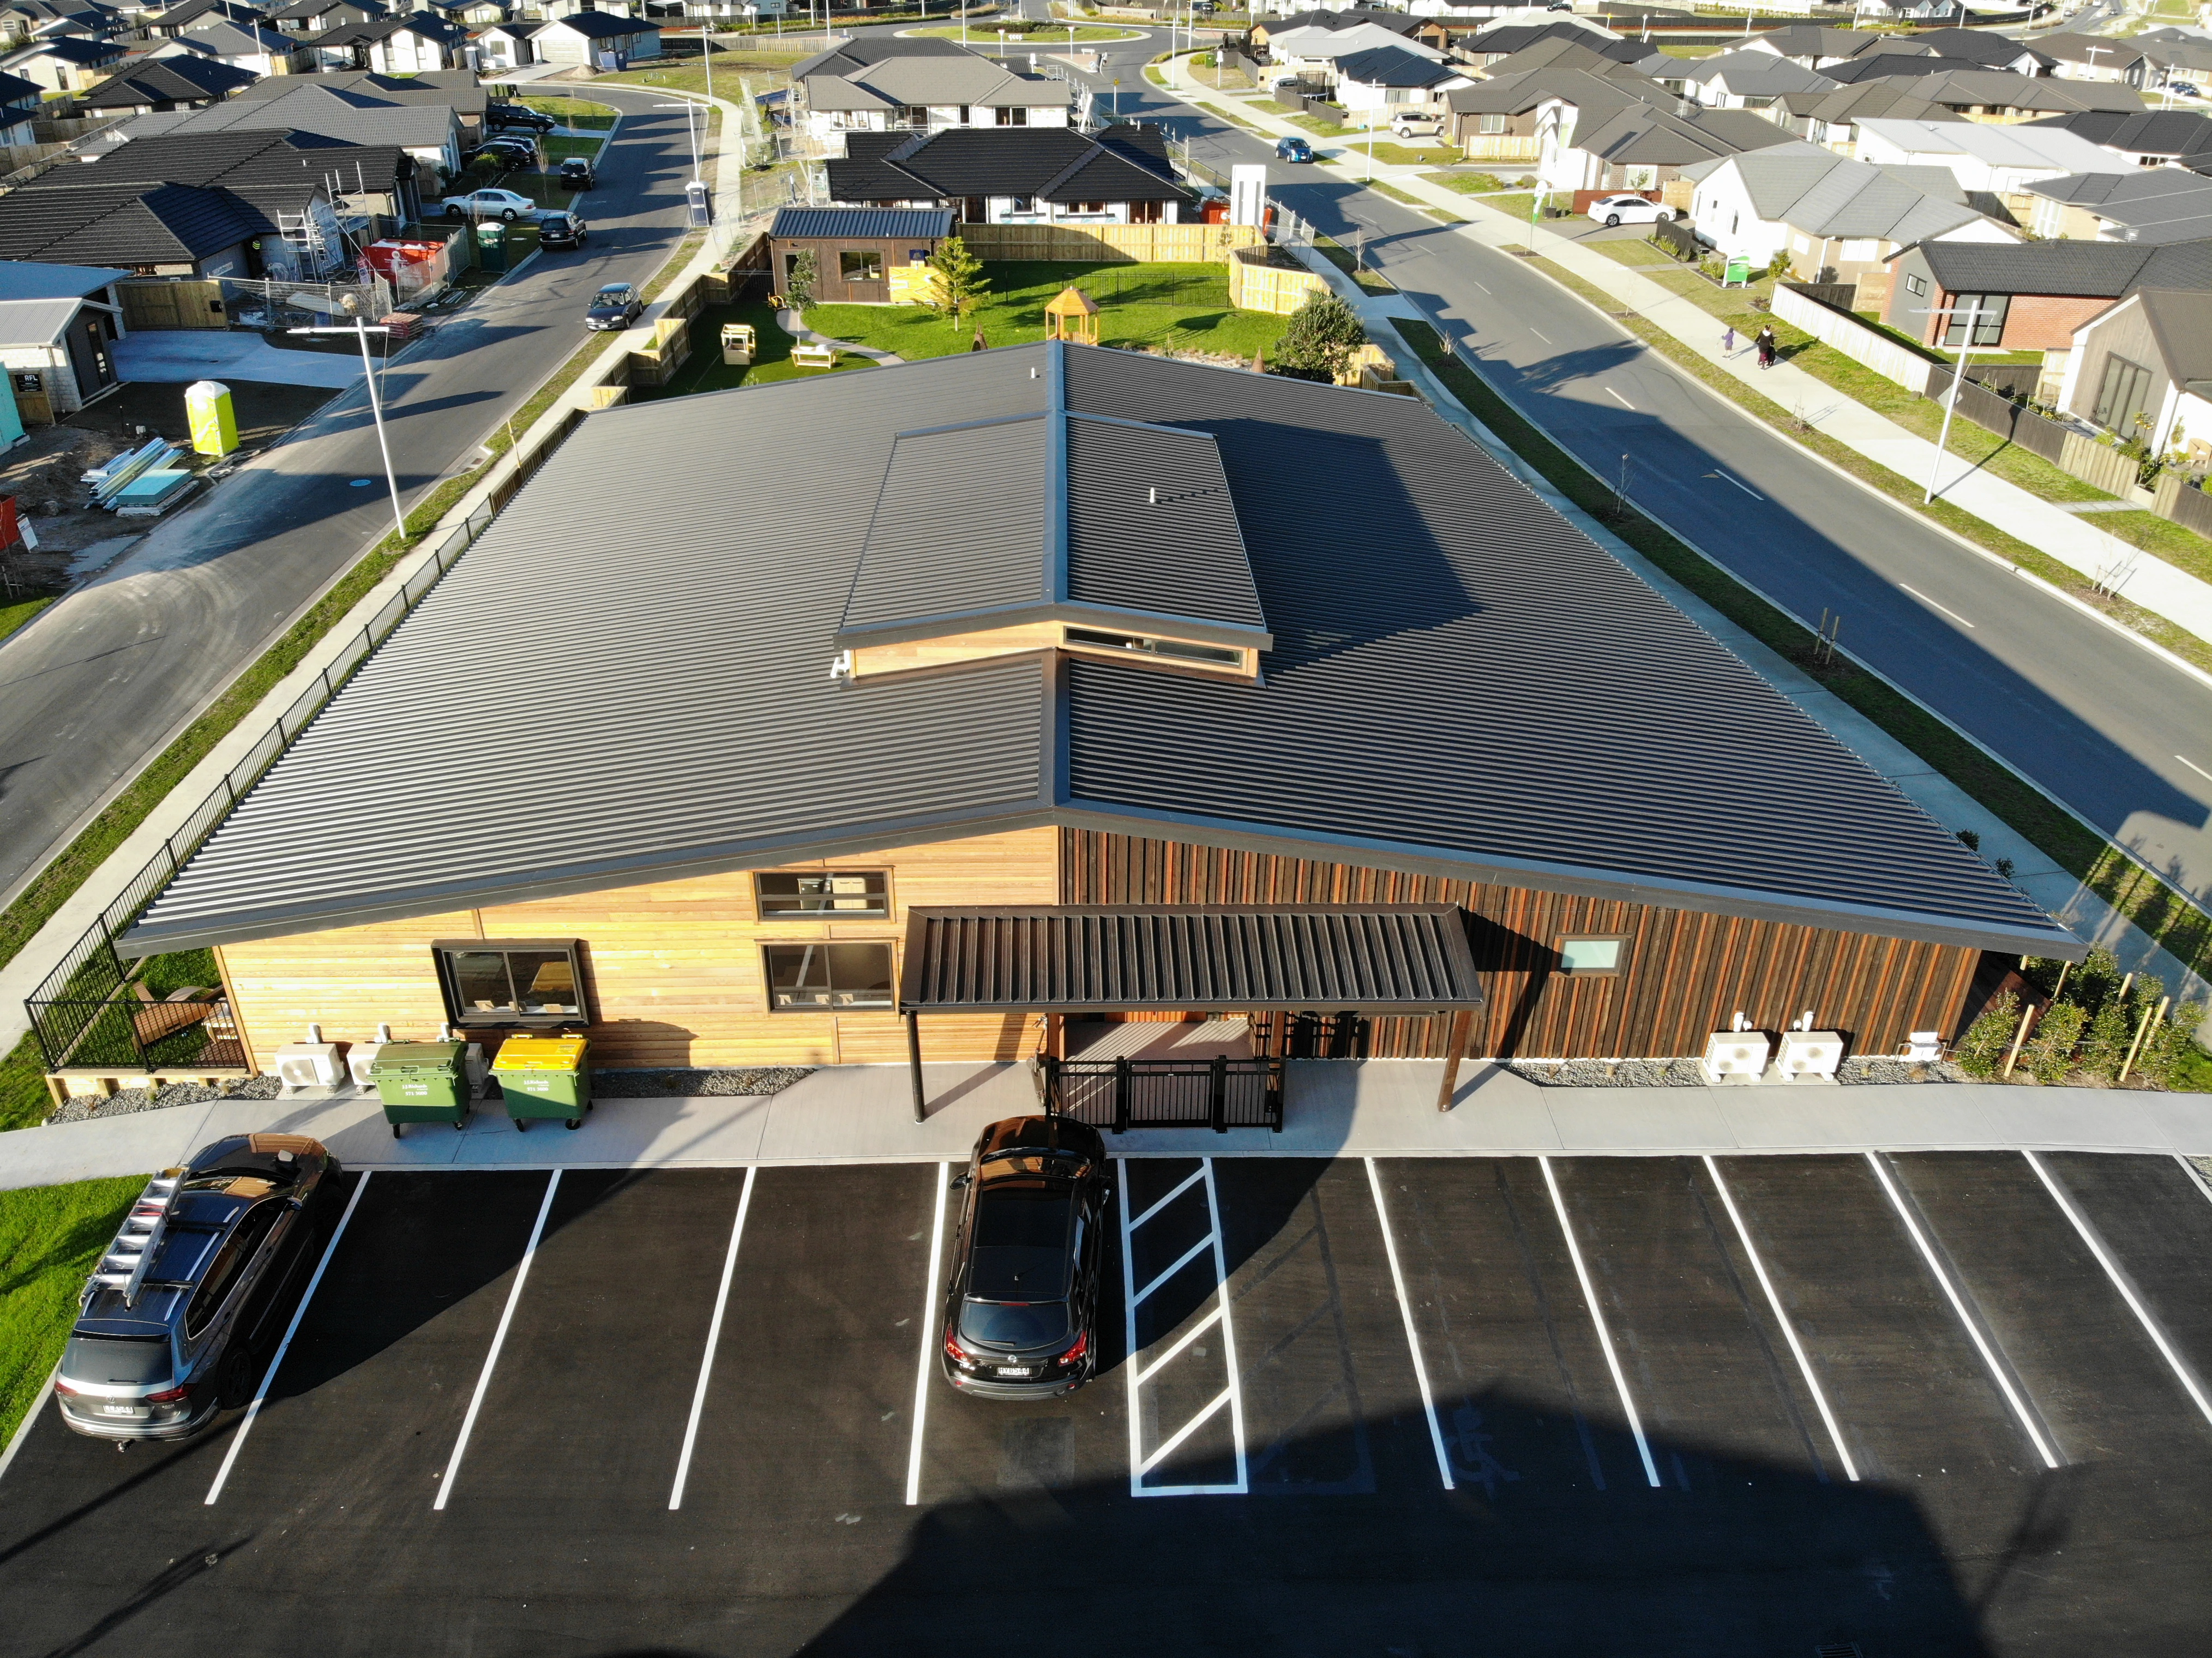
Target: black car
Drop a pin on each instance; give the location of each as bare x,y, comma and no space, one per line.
518,115
616,306
576,174
1021,1311
190,1299
507,152
561,230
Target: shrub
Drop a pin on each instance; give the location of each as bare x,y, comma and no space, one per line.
1982,1049
2172,1057
1318,344
2106,1047
2049,1054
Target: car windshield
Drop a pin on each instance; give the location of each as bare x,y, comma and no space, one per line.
124,1361
613,296
1002,1324
1019,1251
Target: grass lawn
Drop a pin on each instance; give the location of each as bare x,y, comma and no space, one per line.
1318,127
1519,204
1397,154
574,112
1371,280
762,67
559,149
14,612
1182,305
50,1238
1467,184
707,372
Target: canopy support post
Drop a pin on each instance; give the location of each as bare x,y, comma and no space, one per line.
914,1064
1462,1026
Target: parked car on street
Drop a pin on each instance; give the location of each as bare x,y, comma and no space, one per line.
616,306
489,204
1629,209
1417,126
508,155
1021,1310
576,174
518,115
187,1303
2184,89
1293,150
561,230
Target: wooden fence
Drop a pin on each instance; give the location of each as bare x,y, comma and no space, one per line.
2183,503
187,302
2098,464
1502,147
1851,336
1257,284
1103,244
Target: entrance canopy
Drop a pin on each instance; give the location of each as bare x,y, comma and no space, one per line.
1364,959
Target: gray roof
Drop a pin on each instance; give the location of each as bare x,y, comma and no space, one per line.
1819,192
1461,683
1592,94
1394,66
854,78
1644,135
2179,132
2181,322
354,116
23,280
2100,51
1756,73
2000,89
808,223
2158,204
2080,269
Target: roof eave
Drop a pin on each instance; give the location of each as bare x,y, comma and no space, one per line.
1065,610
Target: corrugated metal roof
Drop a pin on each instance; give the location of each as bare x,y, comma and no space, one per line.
807,223
1152,526
1349,958
618,686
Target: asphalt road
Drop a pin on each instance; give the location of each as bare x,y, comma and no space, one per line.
2115,731
101,682
1729,1408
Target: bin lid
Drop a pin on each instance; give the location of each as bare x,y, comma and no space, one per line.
413,1058
540,1054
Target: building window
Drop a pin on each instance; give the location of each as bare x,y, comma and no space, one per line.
1986,312
1493,125
1175,649
1592,955
1916,286
859,266
1147,213
825,977
495,981
914,115
2123,394
835,892
1013,118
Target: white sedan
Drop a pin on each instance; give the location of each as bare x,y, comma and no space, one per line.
1629,209
490,205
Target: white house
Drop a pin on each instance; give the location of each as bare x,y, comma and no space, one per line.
1376,87
1313,52
1749,80
253,47
2004,161
508,45
66,63
597,40
884,84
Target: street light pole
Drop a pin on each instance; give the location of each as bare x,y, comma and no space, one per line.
363,330
1951,403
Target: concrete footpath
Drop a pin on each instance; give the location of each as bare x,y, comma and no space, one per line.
1376,1108
2073,540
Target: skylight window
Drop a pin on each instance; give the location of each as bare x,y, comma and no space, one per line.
1175,649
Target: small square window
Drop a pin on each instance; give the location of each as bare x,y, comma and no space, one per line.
510,982
845,893
1592,955
1916,286
825,978
860,267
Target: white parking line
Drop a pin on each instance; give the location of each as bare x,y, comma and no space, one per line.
1181,1342
2182,1371
1954,615
1774,1301
23,1428
1232,1395
1188,1256
2196,1176
1618,399
714,1338
1405,1312
498,1340
1958,1305
1196,1175
261,1393
1597,1317
928,1337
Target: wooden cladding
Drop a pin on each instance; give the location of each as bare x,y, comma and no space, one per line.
1683,974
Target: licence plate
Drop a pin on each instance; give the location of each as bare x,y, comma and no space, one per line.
1017,1370
122,1410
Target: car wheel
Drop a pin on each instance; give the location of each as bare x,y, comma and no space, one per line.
457,213
1662,217
509,215
395,1131
234,1381
1610,219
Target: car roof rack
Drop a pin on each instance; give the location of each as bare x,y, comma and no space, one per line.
124,1266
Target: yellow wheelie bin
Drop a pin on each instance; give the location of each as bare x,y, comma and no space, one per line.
544,1077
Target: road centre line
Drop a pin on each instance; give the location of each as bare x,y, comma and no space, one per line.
1597,1317
2180,1366
1618,399
928,1337
1541,334
269,1376
498,1340
1746,487
1774,1301
2194,767
1955,617
1188,1256
1196,1175
1405,1312
1958,1305
713,1339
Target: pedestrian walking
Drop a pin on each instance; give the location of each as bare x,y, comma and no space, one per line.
1727,341
1766,347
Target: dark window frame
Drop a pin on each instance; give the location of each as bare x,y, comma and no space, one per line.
854,265
2123,391
441,949
1988,325
800,911
1620,960
830,948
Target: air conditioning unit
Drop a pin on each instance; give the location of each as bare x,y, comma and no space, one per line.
312,1064
1734,1056
476,1070
1810,1055
361,1058
1924,1047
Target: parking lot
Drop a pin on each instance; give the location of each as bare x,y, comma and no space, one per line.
1916,1404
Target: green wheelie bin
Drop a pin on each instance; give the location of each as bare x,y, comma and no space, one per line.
544,1077
421,1082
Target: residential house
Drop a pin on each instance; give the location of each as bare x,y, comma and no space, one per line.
21,102
859,251
1644,148
145,85
508,45
1264,29
1836,220
2157,204
196,14
1903,64
1043,711
1378,87
66,63
1982,47
2176,55
1499,41
597,39
1017,175
254,47
307,17
1831,119
473,14
881,83
456,90
25,20
2147,138
1310,55
1745,80
549,10
1996,96
1496,120
2002,161
210,204
2142,369
56,325
2096,57
1583,51
408,43
1812,45
429,132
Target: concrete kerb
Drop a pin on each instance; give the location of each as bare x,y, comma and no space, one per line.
47,947
1937,796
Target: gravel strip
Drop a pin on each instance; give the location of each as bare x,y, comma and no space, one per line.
1685,1073
127,1103
696,1084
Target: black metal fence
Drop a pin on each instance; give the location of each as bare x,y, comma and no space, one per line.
122,1033
1118,1095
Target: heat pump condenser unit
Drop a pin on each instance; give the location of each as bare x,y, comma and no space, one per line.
312,1064
1736,1056
1810,1055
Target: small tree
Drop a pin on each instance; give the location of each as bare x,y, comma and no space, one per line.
959,284
1982,1049
798,286
1318,344
2049,1054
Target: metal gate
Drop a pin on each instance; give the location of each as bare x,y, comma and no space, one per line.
1118,1095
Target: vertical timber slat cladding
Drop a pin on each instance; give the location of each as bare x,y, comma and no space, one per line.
1685,972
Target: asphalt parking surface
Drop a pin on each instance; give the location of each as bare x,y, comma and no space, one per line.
1926,1404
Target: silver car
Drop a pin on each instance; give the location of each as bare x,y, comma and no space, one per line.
187,1302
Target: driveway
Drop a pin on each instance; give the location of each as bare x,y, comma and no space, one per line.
173,355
